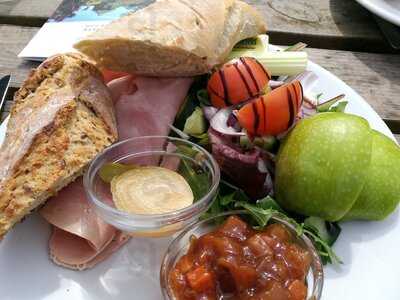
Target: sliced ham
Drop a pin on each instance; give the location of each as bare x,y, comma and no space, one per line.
76,216
144,106
111,75
79,235
152,108
122,86
73,252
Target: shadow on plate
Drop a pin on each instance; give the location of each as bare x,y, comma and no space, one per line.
360,232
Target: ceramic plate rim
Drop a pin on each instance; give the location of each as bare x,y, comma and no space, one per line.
382,11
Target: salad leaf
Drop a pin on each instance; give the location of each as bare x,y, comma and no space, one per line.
262,216
203,97
268,143
269,203
228,195
192,101
326,106
196,123
109,170
245,142
264,209
228,199
324,235
214,210
198,181
202,139
187,108
328,231
324,250
340,107
195,177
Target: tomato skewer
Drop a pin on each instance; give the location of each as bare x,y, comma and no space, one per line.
237,81
273,113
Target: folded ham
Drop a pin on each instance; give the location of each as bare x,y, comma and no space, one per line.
152,108
144,106
80,238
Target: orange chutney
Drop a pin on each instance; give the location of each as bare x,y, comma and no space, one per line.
237,262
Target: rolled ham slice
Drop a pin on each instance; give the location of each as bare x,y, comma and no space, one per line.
80,238
144,106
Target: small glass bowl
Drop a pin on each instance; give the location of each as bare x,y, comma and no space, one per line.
184,157
180,246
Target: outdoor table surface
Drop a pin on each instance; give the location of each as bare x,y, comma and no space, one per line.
342,37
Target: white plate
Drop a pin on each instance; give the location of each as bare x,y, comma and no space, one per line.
370,250
386,9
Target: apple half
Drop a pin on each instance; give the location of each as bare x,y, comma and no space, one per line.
334,166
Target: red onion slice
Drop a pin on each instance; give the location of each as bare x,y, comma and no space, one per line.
220,123
274,84
209,112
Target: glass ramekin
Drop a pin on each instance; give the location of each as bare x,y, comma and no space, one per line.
180,245
159,151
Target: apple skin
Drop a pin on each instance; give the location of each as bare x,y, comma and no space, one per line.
322,165
381,193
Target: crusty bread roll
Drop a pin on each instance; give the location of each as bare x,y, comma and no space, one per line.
173,37
61,118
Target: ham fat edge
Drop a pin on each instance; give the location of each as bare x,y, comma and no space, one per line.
143,106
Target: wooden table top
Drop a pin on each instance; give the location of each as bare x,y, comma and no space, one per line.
342,37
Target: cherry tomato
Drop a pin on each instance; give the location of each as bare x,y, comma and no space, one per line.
273,113
237,81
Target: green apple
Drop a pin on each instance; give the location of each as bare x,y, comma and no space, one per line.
381,192
322,166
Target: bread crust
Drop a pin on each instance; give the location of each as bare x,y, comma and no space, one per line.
173,37
61,118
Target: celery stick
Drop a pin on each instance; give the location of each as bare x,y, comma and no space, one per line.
284,63
279,63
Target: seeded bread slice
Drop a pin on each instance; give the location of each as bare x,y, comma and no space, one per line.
61,118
